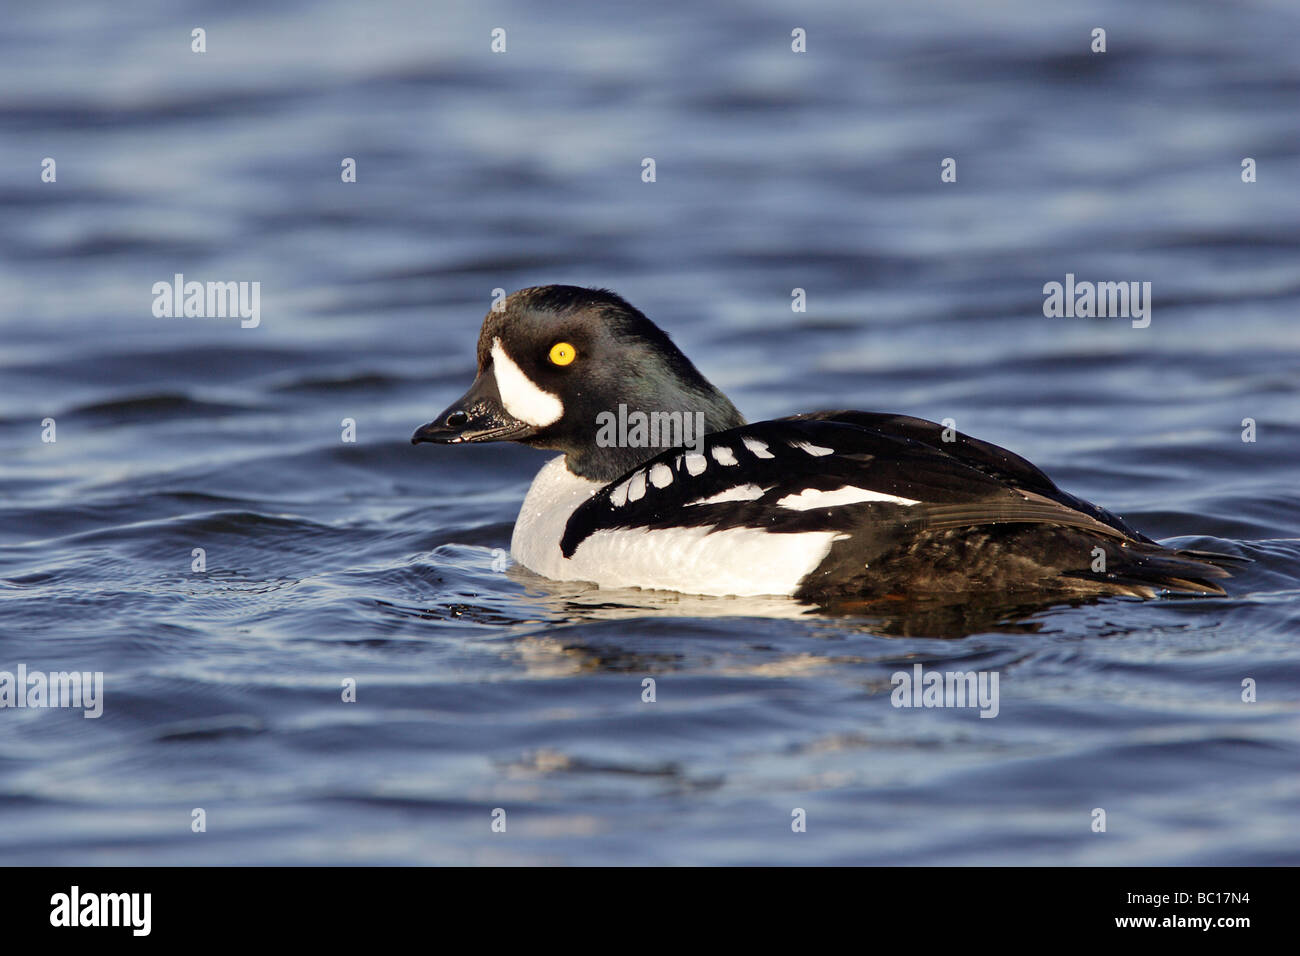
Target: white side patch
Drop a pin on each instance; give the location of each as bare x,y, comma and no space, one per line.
739,561
723,455
695,464
811,498
738,493
661,476
520,395
815,450
758,448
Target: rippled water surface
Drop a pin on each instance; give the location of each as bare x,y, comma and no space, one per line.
374,560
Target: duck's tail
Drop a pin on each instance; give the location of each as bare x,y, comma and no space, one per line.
1146,570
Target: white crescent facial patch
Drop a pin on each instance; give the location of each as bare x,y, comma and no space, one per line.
520,395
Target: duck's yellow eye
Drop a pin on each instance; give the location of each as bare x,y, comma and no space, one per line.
562,353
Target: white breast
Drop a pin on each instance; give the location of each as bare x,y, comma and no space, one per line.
555,494
740,561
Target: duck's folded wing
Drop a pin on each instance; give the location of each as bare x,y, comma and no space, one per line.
983,456
834,471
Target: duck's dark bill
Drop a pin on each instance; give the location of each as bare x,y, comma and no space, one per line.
478,415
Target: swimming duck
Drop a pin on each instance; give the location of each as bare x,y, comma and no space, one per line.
661,483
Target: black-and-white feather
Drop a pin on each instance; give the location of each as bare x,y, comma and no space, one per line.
898,500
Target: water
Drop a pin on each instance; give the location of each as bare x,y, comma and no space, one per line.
374,560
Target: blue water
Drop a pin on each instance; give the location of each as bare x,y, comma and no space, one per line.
476,689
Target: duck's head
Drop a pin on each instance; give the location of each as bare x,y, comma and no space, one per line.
555,362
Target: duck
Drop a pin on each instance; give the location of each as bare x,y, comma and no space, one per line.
660,483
